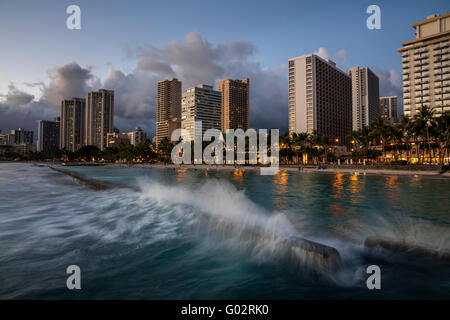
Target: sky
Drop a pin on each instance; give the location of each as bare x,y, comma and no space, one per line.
127,46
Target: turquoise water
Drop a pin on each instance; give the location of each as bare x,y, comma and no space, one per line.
185,234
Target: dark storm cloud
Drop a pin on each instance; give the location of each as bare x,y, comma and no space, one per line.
15,96
67,81
193,60
19,110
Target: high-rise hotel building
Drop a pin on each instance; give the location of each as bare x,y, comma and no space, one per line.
426,66
389,108
72,124
320,98
100,117
235,104
365,97
168,109
200,103
48,135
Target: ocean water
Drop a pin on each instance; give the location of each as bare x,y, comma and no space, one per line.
189,234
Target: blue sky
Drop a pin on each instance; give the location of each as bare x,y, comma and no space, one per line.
34,37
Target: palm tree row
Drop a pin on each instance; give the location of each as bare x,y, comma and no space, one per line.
315,146
415,139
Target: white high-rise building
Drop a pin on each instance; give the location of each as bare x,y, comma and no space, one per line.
201,103
365,97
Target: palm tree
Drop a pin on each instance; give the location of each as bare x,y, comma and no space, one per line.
406,130
301,143
423,121
443,134
378,132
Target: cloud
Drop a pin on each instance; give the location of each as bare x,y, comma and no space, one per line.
15,96
67,81
19,110
193,60
340,57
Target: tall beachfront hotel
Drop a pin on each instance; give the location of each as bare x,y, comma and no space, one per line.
100,117
426,66
48,135
168,108
235,104
200,103
320,98
389,108
365,97
72,125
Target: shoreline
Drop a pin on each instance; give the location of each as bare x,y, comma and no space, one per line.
353,171
292,169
